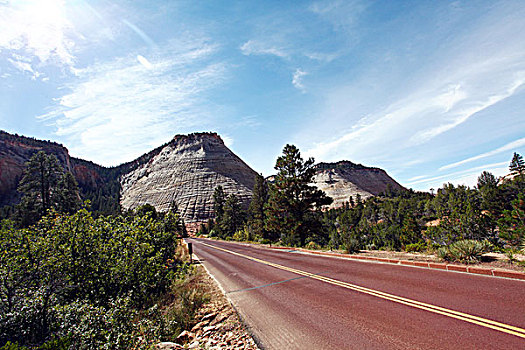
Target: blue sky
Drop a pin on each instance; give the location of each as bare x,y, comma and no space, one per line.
431,91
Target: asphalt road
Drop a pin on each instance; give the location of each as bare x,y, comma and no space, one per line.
292,300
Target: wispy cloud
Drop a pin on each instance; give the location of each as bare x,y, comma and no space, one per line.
256,47
461,115
22,65
249,121
467,176
140,33
37,30
440,97
343,14
508,147
119,108
423,116
297,79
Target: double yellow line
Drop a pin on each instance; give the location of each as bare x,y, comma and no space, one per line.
480,321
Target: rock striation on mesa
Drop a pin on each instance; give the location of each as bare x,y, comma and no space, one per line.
186,171
343,179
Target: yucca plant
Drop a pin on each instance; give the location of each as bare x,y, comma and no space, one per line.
467,251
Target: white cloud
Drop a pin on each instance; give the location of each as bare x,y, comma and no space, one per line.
140,33
508,147
256,47
342,14
444,99
144,61
118,109
249,121
228,141
322,56
465,177
297,79
460,116
37,29
24,67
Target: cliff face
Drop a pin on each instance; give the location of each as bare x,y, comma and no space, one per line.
15,151
187,170
344,179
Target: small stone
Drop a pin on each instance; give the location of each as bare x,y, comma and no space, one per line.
169,346
194,345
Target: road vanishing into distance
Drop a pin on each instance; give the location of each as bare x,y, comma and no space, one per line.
293,300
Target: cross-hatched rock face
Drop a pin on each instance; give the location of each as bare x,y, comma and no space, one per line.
187,171
344,179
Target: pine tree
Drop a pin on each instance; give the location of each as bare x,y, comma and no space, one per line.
67,196
512,224
517,165
487,180
232,217
256,208
292,198
218,203
490,194
40,182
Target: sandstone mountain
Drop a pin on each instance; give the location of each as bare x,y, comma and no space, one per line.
344,179
187,170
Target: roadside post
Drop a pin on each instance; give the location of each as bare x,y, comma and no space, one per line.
190,251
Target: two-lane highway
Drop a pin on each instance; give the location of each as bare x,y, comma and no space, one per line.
293,300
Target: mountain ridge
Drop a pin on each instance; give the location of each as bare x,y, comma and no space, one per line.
184,170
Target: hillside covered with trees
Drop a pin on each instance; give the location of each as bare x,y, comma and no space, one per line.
70,280
289,211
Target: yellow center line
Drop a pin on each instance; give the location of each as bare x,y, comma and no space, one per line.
502,327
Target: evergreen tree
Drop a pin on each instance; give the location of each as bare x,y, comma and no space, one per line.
218,203
358,200
517,165
410,231
68,198
256,208
512,224
491,196
292,198
203,229
45,186
40,181
487,180
232,217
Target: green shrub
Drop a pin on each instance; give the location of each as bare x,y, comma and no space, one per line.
264,240
81,280
466,251
352,245
312,246
12,346
242,235
415,247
